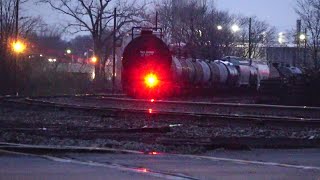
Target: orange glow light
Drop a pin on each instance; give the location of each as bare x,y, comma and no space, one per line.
152,100
151,80
150,111
94,59
153,153
18,47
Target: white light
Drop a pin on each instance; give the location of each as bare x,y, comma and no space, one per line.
93,75
40,55
235,28
281,38
219,28
200,33
52,60
302,37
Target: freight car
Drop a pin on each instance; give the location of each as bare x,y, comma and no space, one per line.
150,69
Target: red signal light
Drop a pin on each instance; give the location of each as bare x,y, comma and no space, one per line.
142,170
151,80
153,153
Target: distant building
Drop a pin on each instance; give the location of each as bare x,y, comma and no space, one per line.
289,55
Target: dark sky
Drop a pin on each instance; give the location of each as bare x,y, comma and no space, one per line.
279,13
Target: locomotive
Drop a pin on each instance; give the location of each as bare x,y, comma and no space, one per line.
149,69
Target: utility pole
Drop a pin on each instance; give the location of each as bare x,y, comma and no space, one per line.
250,40
1,26
305,48
17,55
114,50
157,20
298,42
17,20
1,12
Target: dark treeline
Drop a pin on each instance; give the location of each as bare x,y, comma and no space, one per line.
199,29
207,32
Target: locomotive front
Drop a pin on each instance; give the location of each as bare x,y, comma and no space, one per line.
146,66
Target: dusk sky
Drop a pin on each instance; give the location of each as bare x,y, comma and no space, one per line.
279,13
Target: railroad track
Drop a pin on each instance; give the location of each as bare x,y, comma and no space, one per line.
144,135
119,105
228,108
156,135
110,106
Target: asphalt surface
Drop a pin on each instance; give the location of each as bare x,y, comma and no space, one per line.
219,164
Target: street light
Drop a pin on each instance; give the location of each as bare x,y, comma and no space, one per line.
302,37
94,59
219,27
18,47
281,38
69,51
235,28
200,33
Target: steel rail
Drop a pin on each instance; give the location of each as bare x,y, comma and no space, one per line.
146,112
228,108
216,104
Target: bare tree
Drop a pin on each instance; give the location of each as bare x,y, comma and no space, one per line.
96,17
309,12
215,42
165,16
82,45
48,40
195,25
263,35
190,24
27,25
7,21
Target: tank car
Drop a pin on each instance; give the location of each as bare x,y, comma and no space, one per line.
146,66
284,80
150,69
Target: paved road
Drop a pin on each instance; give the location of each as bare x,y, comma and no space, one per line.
219,164
16,167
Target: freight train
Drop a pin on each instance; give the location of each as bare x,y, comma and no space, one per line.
150,69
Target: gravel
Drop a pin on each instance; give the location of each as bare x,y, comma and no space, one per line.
45,119
234,109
